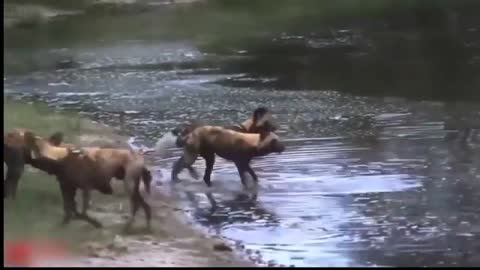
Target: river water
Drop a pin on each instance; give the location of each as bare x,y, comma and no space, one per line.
365,181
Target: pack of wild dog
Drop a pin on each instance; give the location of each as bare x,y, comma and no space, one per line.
92,168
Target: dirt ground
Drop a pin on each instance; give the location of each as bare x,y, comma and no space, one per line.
173,241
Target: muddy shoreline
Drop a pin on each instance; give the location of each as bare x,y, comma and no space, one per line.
175,240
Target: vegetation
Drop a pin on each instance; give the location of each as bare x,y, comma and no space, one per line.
37,211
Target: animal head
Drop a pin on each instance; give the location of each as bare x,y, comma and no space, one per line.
16,138
56,139
182,131
261,121
270,143
39,148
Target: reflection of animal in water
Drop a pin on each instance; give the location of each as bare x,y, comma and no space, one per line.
241,148
241,209
260,122
92,168
16,156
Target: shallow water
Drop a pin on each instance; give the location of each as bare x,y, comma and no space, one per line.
365,181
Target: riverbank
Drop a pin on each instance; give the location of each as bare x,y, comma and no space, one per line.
37,211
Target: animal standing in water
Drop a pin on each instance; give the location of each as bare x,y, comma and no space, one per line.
260,122
241,148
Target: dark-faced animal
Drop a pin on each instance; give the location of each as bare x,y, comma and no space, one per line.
92,168
260,122
16,156
241,148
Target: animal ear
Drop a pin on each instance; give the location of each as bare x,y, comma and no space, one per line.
56,138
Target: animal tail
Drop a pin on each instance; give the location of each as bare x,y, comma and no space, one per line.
167,141
147,179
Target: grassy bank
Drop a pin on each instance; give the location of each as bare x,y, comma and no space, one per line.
37,211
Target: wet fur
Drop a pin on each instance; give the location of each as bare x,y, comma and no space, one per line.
241,148
92,168
259,122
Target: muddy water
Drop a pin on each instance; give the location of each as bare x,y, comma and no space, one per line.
365,181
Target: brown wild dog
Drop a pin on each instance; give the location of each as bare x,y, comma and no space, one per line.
92,168
16,156
260,122
241,148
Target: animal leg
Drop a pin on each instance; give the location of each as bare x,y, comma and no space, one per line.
253,174
147,209
68,196
185,161
136,198
193,172
241,171
210,161
74,204
212,201
141,202
83,215
134,204
11,183
177,168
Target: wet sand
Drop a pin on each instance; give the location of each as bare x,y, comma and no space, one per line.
174,242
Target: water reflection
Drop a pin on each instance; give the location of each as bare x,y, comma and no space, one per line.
433,226
224,212
365,180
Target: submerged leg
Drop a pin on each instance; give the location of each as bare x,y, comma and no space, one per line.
193,172
210,161
253,174
185,161
241,171
178,166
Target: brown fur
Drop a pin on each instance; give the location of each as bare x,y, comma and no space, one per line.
16,156
92,168
260,122
241,148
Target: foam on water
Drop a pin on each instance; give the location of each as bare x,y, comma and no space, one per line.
164,143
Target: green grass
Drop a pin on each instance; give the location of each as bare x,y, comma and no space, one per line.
37,211
40,119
